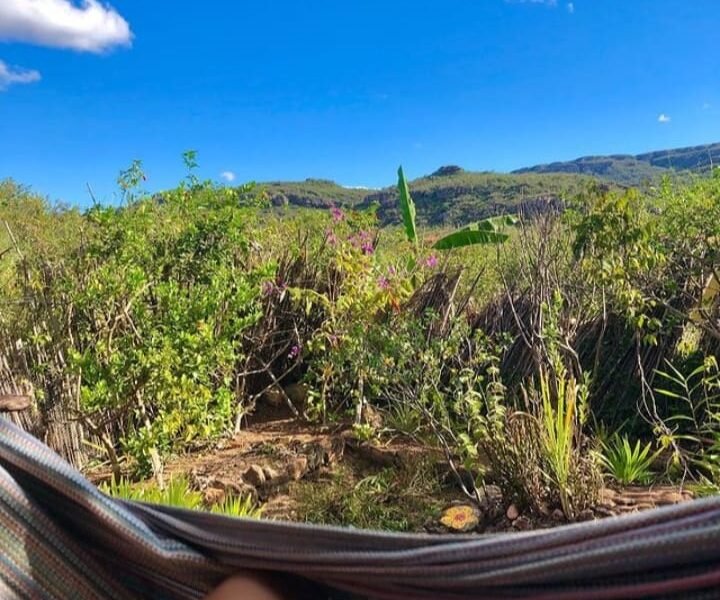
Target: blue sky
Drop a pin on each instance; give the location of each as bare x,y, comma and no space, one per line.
284,89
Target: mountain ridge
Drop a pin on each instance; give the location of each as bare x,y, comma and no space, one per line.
629,169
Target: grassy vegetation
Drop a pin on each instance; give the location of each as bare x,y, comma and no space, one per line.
391,499
510,346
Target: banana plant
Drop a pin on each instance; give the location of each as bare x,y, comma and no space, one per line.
487,231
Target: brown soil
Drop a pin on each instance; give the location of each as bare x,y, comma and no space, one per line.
271,460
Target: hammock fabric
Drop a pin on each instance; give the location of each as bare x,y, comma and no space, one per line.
61,538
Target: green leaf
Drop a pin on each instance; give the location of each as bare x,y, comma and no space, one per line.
487,231
495,224
407,207
469,237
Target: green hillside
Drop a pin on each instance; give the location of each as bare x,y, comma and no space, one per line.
453,196
627,169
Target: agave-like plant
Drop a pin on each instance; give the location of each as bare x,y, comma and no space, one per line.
628,464
177,493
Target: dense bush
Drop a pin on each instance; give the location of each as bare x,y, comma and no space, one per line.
159,324
148,311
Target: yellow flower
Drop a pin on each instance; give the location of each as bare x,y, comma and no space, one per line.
459,518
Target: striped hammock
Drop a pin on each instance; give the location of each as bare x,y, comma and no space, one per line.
61,538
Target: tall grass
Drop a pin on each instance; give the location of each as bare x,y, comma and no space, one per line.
558,419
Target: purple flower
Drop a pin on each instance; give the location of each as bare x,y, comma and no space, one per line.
431,261
294,352
363,240
337,214
383,283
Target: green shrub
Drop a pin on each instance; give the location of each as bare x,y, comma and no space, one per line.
161,294
155,325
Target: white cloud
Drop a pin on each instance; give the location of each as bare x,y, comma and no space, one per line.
663,118
571,7
14,75
91,26
228,176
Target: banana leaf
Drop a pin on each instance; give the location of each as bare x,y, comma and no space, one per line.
407,207
487,231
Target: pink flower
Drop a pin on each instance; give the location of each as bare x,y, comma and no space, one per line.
383,283
331,238
431,261
337,214
294,352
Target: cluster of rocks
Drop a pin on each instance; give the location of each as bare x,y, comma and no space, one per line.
613,503
262,479
493,515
